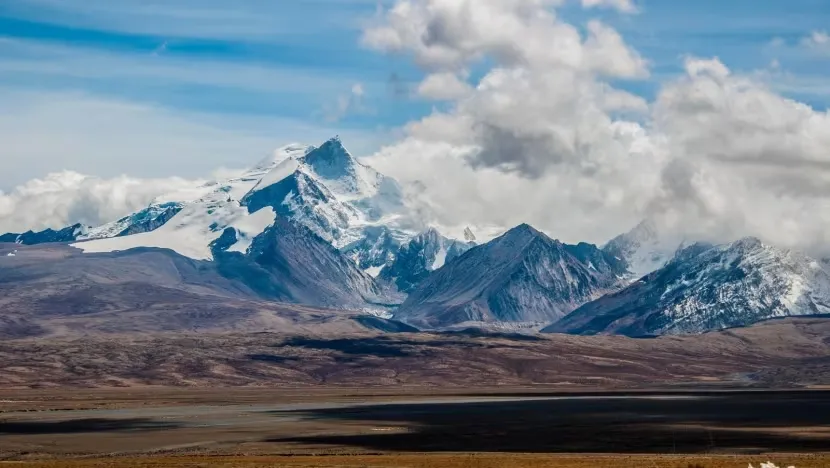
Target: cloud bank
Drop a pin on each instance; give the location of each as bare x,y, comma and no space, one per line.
65,198
533,123
546,136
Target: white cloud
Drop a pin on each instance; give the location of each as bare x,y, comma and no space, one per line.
714,68
744,160
535,140
443,87
448,35
539,139
347,103
64,198
624,6
107,137
818,41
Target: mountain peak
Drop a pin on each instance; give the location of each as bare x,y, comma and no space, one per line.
431,232
748,243
523,231
644,249
331,160
523,277
469,236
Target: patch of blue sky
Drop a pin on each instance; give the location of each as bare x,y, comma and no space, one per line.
299,59
280,58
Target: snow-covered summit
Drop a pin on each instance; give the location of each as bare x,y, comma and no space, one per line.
345,202
469,236
332,162
327,190
643,249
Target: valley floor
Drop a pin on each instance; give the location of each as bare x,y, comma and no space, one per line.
419,400
413,428
793,353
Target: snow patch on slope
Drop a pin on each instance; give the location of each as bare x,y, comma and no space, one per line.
643,249
281,171
247,228
193,229
440,257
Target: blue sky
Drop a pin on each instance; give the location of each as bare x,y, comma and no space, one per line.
228,81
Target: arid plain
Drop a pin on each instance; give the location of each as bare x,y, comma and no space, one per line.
419,400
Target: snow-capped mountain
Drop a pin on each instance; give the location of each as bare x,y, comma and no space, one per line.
643,249
359,212
67,234
324,189
146,220
350,205
521,279
376,249
330,192
423,254
707,288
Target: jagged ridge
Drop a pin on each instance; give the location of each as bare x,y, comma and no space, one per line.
709,288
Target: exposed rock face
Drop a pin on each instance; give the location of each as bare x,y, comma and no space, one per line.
708,288
523,278
425,253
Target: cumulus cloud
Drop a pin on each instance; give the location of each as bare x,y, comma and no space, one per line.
64,198
443,87
539,137
546,137
448,35
744,160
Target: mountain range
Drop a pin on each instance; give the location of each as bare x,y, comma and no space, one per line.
312,229
523,278
707,287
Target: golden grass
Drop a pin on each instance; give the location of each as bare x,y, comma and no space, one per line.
437,461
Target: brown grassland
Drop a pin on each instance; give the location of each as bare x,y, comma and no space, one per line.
441,461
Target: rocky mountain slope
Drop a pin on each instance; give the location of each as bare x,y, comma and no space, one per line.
315,226
49,290
707,288
423,254
289,263
46,236
522,278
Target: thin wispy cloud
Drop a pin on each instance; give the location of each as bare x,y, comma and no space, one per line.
251,20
